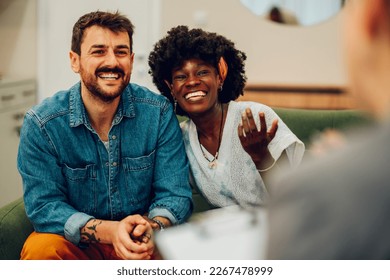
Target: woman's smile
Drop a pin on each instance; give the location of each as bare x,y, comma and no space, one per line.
195,95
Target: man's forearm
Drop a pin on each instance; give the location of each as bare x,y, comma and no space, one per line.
97,231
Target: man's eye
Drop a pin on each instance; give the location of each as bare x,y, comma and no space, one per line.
98,52
122,53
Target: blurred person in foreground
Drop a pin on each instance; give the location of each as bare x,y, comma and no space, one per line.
103,163
337,207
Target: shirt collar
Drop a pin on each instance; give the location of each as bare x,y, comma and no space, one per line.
78,115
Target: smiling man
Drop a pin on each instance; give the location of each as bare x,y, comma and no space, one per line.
103,163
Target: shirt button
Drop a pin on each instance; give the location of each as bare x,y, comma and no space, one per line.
107,163
114,163
113,137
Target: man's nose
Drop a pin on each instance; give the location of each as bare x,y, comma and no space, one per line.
111,59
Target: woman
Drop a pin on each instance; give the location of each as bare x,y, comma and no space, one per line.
202,74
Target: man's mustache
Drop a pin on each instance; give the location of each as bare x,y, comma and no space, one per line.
112,70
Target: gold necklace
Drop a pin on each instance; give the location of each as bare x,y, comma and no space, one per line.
213,162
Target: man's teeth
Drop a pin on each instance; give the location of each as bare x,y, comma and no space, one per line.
109,76
195,94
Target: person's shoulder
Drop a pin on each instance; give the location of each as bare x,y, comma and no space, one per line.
55,105
346,165
185,125
145,99
143,94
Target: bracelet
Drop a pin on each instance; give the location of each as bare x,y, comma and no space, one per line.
160,224
268,168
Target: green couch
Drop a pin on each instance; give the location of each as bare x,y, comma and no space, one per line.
15,226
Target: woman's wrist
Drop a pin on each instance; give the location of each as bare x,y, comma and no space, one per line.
264,161
264,169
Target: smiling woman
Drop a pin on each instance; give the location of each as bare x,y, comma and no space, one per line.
230,145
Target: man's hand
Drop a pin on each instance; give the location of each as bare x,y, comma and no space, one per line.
133,239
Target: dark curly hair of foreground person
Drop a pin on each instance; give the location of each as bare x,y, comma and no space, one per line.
182,43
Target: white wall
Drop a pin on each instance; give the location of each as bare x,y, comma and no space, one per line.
18,39
277,54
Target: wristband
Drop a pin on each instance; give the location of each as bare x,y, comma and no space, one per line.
268,168
160,224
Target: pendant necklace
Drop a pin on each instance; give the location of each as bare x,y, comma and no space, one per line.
213,162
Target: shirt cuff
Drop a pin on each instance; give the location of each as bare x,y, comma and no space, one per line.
162,212
73,226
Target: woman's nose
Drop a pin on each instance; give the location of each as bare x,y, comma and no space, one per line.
193,80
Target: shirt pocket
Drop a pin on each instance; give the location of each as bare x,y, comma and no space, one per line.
81,183
139,177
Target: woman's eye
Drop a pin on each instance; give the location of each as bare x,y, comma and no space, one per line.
179,77
203,73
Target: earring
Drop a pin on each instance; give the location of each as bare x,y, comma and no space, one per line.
174,105
220,87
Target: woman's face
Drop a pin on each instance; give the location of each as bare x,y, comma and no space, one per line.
195,86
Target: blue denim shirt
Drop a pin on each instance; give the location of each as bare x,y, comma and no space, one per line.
69,176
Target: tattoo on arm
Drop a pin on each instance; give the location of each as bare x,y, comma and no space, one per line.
88,233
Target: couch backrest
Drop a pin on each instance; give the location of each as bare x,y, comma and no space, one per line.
306,123
14,229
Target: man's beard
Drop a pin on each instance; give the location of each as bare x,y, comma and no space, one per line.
91,83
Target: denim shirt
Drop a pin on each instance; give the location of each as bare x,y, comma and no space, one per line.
70,177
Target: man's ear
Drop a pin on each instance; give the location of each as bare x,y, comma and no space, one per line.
74,61
375,16
131,62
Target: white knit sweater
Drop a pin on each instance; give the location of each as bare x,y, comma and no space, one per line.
235,179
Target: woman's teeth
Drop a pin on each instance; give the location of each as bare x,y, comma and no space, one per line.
195,94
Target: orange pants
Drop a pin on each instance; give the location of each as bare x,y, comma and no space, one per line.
48,246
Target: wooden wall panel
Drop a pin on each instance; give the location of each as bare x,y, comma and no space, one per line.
306,97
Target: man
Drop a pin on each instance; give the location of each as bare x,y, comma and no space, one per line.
338,207
96,157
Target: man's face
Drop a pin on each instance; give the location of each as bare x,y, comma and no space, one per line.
105,63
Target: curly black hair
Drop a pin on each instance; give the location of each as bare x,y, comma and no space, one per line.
182,43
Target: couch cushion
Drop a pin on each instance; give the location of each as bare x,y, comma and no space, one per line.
14,229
